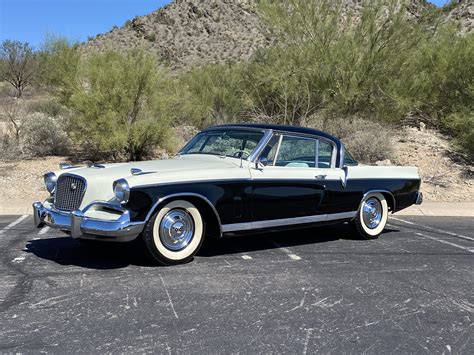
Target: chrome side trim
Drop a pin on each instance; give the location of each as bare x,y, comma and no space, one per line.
287,221
185,194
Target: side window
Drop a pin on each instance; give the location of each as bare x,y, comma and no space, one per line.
297,152
349,160
324,155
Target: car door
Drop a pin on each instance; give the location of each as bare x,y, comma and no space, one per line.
293,181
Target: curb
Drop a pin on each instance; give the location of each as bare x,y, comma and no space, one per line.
439,209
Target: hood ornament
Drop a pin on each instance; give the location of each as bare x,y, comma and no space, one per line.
136,171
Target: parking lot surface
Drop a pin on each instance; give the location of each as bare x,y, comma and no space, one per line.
305,291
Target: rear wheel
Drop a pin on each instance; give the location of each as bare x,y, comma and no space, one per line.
372,216
174,234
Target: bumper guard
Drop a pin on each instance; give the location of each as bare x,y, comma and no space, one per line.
87,223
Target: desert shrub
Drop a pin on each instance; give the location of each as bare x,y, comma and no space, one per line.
150,37
9,147
461,125
50,108
117,108
59,61
347,67
214,94
380,66
280,89
366,140
43,135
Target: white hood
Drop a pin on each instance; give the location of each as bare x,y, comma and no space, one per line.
180,169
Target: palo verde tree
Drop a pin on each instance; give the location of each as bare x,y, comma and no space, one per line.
117,107
18,65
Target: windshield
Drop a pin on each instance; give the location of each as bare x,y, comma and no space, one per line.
229,143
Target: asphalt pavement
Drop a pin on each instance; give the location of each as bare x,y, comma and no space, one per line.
306,291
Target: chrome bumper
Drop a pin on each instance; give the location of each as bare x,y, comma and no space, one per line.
419,198
82,224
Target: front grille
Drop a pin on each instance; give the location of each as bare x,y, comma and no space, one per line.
69,193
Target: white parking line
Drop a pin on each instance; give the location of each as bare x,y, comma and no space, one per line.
434,229
18,259
43,230
287,251
471,250
14,223
246,257
294,257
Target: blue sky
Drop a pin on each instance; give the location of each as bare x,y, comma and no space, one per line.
31,20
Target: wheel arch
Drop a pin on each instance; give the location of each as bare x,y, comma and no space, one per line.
388,196
206,208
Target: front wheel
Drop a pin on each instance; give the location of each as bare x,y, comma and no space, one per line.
174,234
372,216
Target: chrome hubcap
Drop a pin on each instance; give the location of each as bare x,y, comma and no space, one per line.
372,213
176,229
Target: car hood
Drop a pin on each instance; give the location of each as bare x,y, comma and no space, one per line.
186,168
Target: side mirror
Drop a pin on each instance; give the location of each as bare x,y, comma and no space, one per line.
262,162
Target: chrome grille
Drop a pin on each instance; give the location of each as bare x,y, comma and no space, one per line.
69,193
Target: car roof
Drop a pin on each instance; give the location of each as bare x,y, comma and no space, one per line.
282,128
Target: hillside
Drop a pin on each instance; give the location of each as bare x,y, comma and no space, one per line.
462,13
189,32
185,33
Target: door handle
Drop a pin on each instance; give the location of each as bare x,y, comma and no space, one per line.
320,177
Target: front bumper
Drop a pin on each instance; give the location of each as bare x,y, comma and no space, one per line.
99,221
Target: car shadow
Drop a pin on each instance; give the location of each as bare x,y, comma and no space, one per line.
282,239
67,251
103,256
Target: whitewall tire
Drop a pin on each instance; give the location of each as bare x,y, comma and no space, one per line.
372,216
175,233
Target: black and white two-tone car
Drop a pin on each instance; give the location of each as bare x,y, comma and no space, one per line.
227,180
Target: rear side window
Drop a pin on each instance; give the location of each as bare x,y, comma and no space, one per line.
297,152
324,155
349,160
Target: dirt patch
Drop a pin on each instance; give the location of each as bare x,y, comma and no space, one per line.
445,177
21,183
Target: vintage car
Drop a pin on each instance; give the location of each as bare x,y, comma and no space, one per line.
227,180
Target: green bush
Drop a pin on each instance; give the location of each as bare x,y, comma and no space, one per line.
461,124
50,108
213,94
60,60
42,135
116,105
366,140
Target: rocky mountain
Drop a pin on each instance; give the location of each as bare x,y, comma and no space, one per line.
462,12
194,32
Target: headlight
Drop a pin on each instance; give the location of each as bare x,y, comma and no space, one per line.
122,191
50,180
